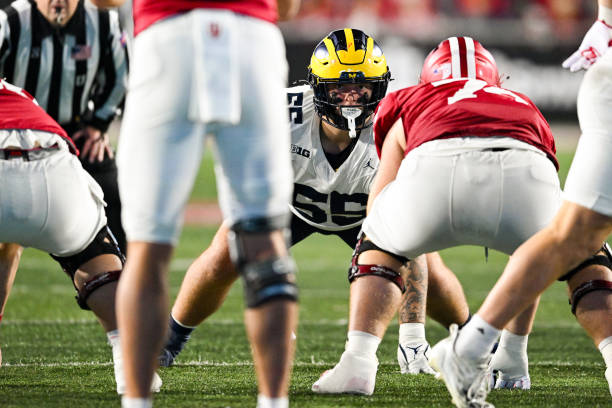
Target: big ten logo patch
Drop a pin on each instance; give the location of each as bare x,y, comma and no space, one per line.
295,101
300,150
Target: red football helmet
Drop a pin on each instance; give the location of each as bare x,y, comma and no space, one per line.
460,57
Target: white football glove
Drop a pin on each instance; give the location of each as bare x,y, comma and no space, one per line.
595,43
509,370
413,358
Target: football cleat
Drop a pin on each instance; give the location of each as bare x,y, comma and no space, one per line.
166,358
413,358
354,374
467,382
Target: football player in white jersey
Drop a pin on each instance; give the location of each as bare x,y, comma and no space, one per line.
334,161
570,247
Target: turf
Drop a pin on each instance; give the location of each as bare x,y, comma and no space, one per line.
55,355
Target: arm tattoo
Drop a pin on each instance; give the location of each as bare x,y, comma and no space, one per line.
414,301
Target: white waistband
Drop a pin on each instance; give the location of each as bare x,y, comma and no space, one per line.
457,145
30,139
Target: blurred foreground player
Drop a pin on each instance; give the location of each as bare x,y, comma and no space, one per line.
208,68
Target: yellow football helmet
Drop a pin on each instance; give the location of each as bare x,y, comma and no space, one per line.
348,56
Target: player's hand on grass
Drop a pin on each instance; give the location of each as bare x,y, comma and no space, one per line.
96,146
414,358
509,370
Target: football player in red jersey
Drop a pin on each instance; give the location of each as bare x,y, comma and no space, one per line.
482,159
51,203
218,68
570,248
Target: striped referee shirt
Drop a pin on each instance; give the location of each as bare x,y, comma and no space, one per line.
77,73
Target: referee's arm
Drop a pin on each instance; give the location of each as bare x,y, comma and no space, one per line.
111,76
5,41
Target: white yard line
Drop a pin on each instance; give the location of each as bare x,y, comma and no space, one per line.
312,363
569,324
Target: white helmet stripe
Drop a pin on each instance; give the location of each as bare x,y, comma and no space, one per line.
455,57
471,60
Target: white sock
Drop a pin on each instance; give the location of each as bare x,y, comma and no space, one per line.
267,402
362,342
513,342
605,347
127,402
476,340
113,337
411,333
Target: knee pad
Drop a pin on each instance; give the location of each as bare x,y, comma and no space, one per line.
270,279
588,287
357,270
592,285
253,226
103,243
263,280
604,260
94,283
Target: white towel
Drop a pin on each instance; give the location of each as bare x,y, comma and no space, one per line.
215,95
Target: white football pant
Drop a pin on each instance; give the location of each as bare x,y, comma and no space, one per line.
50,203
226,79
459,191
589,179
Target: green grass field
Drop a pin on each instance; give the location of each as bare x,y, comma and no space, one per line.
55,355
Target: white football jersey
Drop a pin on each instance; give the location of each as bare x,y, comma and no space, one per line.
328,199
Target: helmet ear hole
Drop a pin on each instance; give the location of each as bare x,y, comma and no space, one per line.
347,56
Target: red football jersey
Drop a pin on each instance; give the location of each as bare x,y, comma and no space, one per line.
19,110
147,12
462,107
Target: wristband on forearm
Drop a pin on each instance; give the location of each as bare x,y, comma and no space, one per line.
605,16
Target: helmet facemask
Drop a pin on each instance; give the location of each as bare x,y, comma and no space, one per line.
347,104
349,76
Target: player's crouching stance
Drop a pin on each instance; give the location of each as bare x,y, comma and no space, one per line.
571,242
491,155
53,205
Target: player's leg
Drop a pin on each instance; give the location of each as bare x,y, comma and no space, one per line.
413,348
377,283
207,282
159,153
255,181
203,290
590,294
10,254
574,234
399,224
446,302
